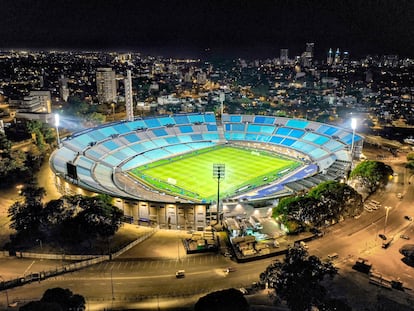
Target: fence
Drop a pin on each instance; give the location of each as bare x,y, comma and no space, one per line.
82,261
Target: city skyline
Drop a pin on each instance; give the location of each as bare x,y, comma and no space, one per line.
231,28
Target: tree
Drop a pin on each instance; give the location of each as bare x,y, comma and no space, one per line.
327,202
40,306
94,217
228,299
56,299
298,279
26,217
410,156
372,174
5,145
12,162
42,134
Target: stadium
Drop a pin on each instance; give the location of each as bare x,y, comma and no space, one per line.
172,170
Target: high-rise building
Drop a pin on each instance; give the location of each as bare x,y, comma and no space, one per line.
284,56
309,49
337,56
329,60
106,85
43,98
345,59
63,88
307,56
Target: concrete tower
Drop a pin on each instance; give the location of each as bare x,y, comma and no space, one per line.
129,104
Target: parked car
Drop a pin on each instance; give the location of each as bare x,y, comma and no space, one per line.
333,256
386,244
408,218
367,208
405,237
180,274
316,232
382,236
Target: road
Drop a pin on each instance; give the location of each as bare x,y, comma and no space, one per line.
145,277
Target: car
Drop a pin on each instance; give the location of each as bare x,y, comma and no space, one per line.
244,291
316,232
408,218
382,236
229,269
367,208
386,244
180,274
228,254
405,237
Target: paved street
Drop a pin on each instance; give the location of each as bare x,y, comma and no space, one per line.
144,277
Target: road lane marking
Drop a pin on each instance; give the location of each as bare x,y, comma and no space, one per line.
29,267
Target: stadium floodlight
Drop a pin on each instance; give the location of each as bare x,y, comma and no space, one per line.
57,120
353,126
218,173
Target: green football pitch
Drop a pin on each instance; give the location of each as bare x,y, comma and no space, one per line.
191,175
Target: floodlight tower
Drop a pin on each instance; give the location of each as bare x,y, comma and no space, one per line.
353,126
218,173
222,98
57,120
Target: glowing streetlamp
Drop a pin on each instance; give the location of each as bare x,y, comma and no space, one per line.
218,173
40,243
57,120
113,110
353,126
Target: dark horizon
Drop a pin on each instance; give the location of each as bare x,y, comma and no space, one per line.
239,28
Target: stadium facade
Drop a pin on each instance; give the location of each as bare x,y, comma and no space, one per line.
97,160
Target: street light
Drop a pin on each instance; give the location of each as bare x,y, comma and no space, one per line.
387,209
57,119
7,294
40,242
113,110
353,126
218,173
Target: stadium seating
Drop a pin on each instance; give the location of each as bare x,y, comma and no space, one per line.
124,145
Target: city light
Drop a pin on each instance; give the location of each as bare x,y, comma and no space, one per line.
353,126
57,120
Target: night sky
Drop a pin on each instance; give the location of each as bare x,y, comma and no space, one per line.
238,28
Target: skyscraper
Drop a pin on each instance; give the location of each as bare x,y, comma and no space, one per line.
337,56
63,88
105,85
284,55
307,56
309,49
329,60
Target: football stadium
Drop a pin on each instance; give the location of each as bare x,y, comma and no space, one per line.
173,170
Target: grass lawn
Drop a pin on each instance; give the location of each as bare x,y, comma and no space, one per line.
191,175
